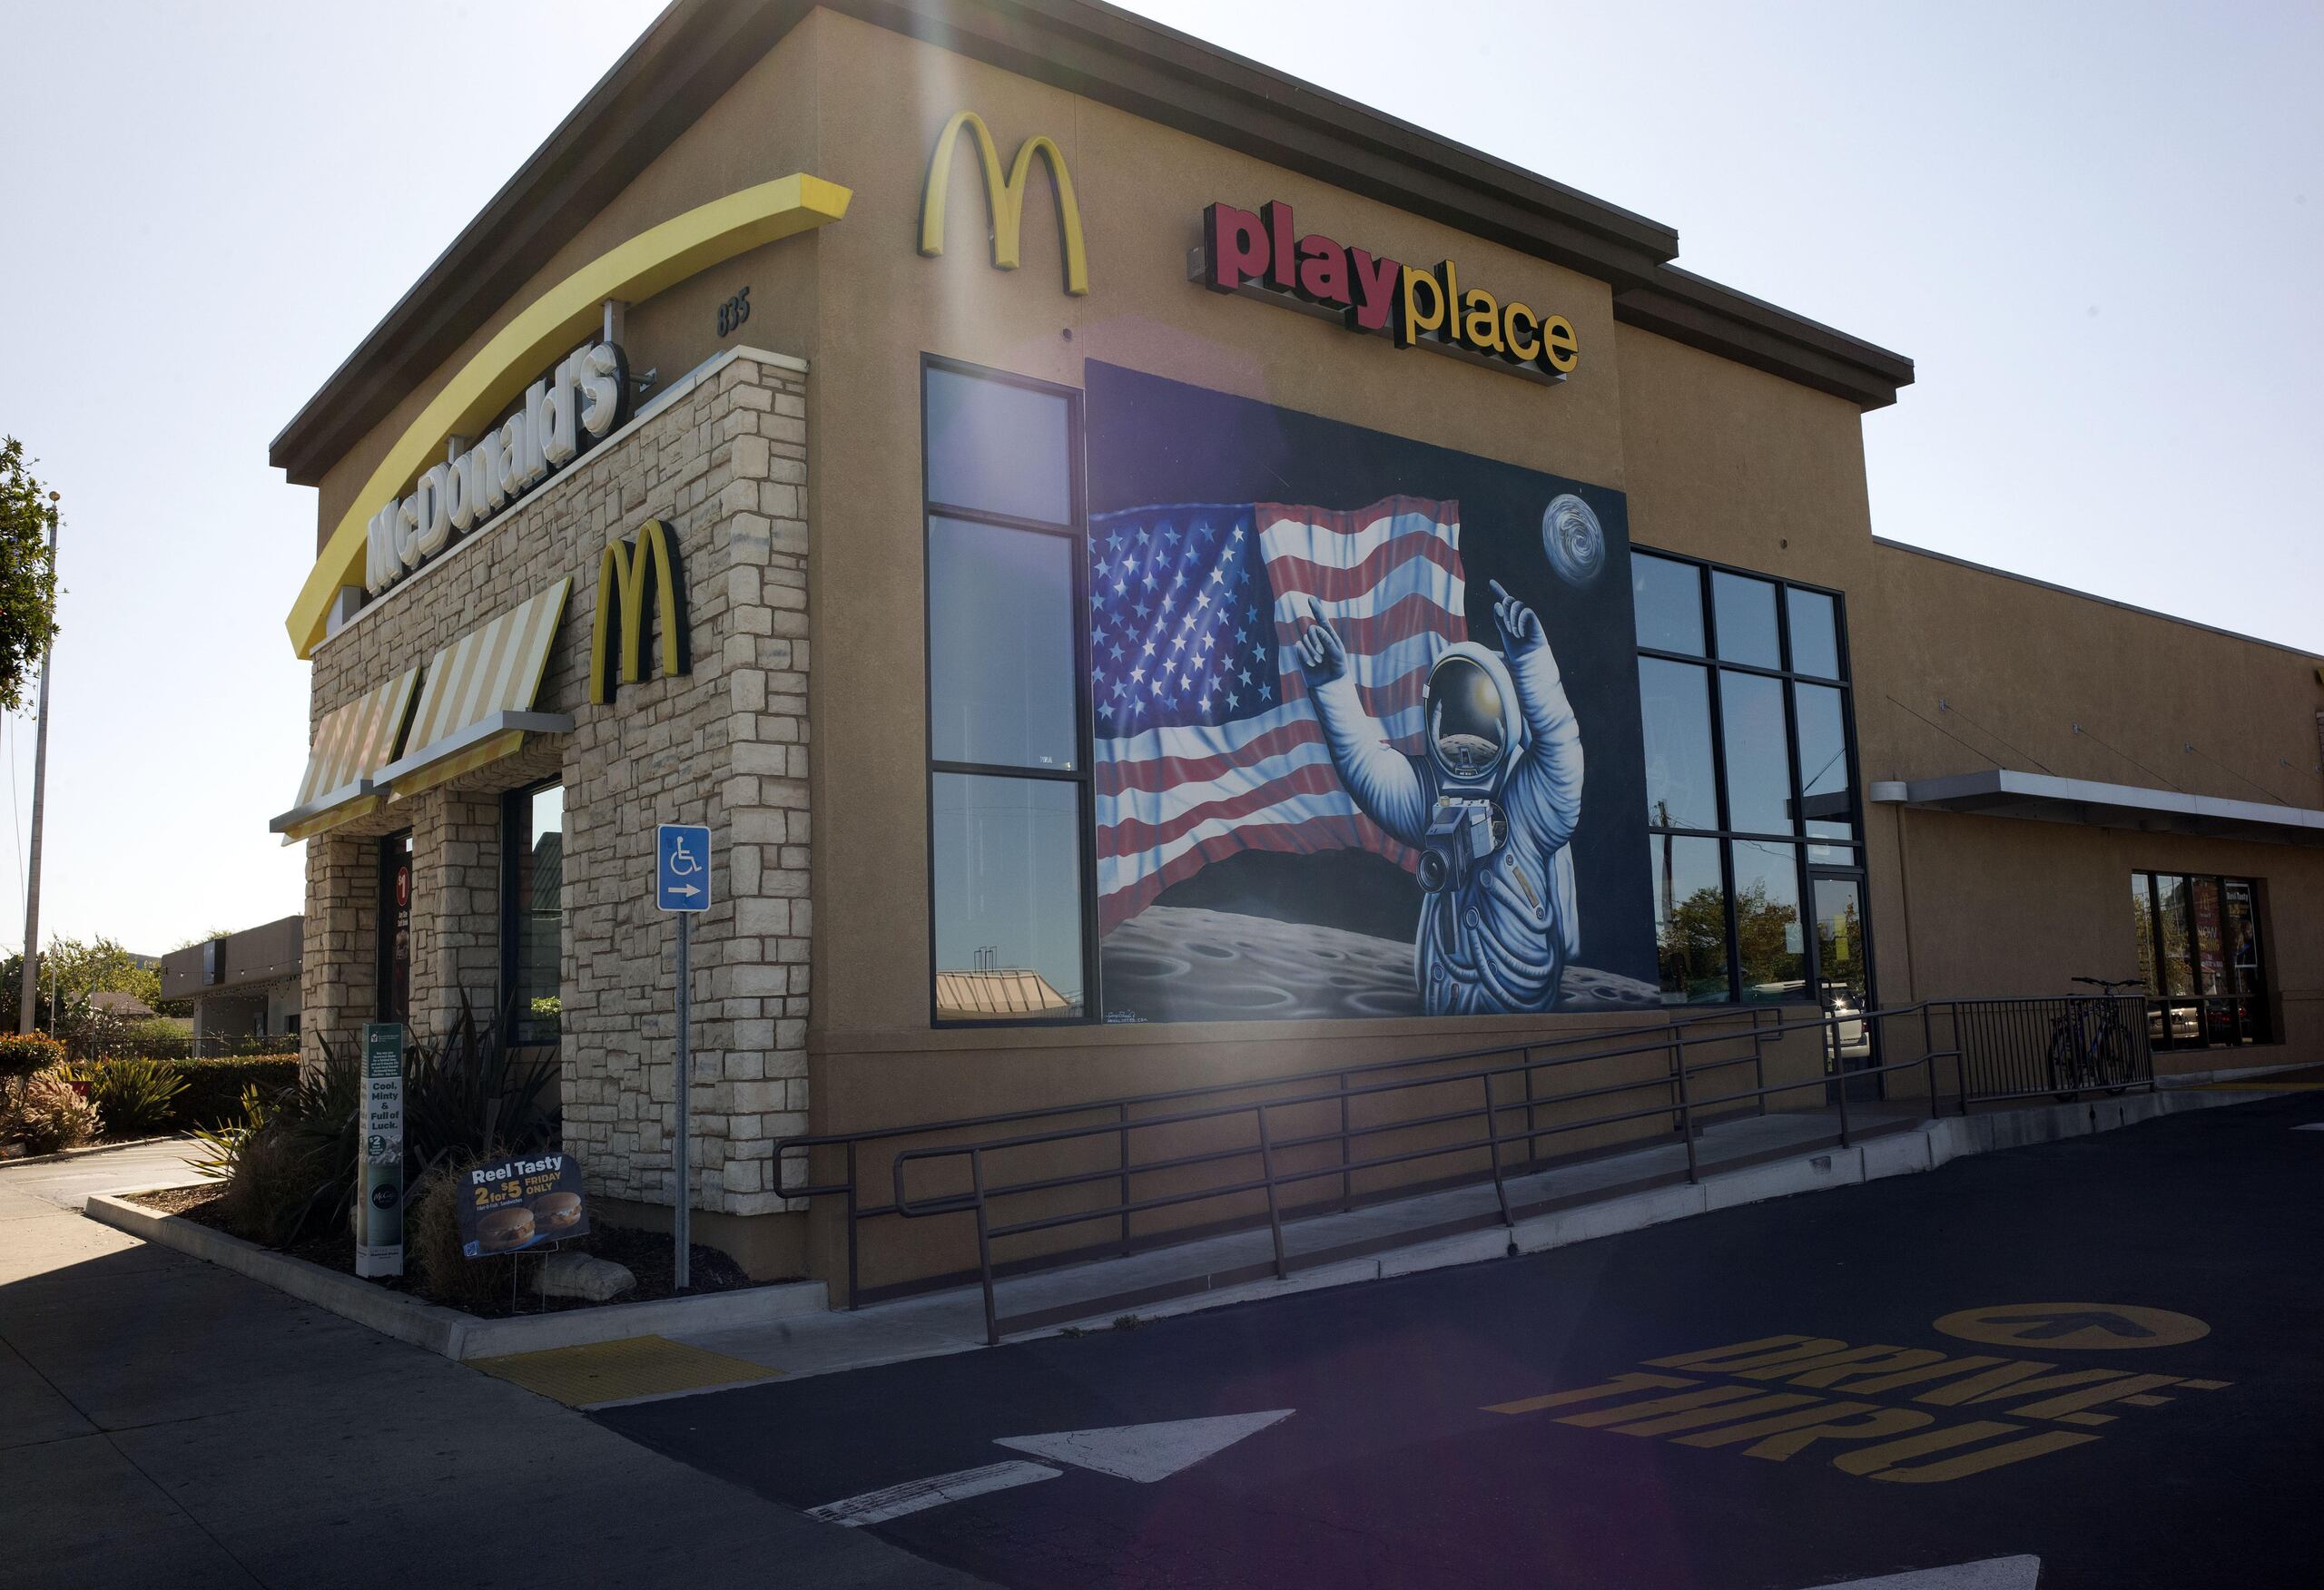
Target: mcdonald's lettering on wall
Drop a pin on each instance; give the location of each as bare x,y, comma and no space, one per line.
630,576
1261,253
1004,198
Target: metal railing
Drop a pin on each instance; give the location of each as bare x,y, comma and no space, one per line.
2023,1048
1493,1087
1750,1026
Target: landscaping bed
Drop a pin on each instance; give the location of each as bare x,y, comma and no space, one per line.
648,1255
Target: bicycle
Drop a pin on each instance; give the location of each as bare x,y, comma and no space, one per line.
2090,1045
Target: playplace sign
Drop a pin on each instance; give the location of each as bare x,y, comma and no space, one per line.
1261,254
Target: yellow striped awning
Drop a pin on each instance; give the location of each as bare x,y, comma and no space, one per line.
477,705
351,743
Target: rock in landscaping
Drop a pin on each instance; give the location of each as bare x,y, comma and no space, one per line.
579,1275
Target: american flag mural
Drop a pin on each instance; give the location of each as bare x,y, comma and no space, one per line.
1206,742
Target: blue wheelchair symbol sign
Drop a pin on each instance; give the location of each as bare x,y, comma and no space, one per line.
682,871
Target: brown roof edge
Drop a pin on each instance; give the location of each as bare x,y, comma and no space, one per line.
697,49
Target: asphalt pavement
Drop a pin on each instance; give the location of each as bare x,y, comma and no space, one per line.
2092,1363
167,1425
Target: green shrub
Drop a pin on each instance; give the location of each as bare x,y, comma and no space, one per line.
470,1091
23,1053
214,1088
136,1095
45,1112
432,1243
222,1145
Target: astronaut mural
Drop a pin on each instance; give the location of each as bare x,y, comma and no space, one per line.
1343,685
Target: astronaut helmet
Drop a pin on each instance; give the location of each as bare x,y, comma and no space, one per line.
1469,712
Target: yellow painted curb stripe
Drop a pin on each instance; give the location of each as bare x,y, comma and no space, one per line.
653,260
616,1371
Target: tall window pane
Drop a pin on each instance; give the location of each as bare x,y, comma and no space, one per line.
1758,753
1814,623
998,446
1770,946
1690,919
1680,788
1000,645
1823,758
1667,597
2142,927
2242,938
2178,959
1746,611
534,917
1008,898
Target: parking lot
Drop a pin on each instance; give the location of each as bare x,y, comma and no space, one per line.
2088,1363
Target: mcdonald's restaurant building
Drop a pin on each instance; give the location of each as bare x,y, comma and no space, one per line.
1156,576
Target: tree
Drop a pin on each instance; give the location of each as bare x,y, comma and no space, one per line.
82,970
27,574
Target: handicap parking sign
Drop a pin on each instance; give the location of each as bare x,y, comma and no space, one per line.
682,866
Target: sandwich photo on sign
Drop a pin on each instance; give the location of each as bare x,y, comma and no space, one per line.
511,1205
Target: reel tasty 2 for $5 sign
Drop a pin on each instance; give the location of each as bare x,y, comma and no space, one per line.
513,1203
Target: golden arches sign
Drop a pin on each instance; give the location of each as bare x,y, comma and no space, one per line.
624,584
1004,198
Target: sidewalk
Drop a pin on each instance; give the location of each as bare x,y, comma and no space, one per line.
163,1422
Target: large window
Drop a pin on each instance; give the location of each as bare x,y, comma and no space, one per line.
1750,786
532,917
394,927
2198,951
1008,753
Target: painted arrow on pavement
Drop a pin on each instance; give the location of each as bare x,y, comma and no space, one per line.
1143,1453
2010,1573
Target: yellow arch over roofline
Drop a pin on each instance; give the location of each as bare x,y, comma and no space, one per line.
655,259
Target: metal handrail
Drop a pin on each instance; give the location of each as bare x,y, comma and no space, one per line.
1748,1026
1272,1180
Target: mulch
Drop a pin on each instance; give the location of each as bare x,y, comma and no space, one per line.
650,1256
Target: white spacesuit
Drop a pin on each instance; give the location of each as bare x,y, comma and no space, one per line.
1491,805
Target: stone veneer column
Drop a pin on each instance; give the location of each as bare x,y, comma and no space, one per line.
455,909
338,970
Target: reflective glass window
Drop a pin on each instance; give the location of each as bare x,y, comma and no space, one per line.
998,447
1667,597
1814,621
1680,788
1758,753
1745,609
1000,676
2177,944
1823,759
533,875
1690,919
2210,947
1008,898
2142,925
1770,943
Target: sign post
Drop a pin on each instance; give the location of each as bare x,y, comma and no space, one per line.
682,884
379,1230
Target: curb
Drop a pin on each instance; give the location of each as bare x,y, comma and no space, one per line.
447,1332
1926,1147
91,1148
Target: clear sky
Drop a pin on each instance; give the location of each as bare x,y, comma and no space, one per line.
2098,232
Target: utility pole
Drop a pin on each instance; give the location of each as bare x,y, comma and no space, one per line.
29,984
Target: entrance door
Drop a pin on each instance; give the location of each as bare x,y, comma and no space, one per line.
1843,970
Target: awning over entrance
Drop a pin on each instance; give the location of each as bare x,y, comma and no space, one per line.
2045,798
350,745
476,705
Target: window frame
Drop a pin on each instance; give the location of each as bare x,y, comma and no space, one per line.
1808,868
398,845
1083,775
2259,1005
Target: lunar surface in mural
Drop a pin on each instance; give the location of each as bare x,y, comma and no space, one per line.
1185,963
